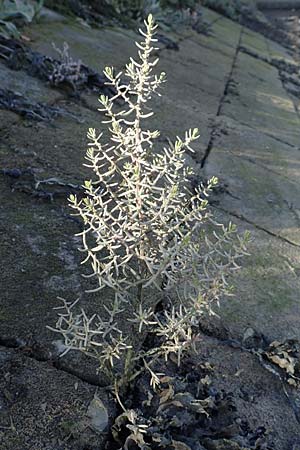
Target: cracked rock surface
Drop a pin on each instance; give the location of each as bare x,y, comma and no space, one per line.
240,89
255,153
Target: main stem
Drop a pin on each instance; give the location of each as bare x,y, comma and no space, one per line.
139,151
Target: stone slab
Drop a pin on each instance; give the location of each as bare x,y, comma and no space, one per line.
266,289
23,84
38,414
255,42
261,101
227,31
96,48
246,164
277,51
258,394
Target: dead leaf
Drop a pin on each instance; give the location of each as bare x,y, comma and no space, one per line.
285,362
206,381
166,405
149,399
138,439
25,38
292,382
166,379
178,445
166,394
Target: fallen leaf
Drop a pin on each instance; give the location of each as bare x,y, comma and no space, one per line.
287,363
166,395
178,445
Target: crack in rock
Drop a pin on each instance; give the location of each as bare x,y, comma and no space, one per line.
227,89
42,354
255,225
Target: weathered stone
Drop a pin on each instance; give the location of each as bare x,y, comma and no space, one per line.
262,102
45,408
261,180
254,149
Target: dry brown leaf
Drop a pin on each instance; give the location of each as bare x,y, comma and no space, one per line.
287,362
166,394
166,379
178,445
164,406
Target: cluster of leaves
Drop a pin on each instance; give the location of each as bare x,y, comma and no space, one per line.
16,13
146,236
286,355
187,412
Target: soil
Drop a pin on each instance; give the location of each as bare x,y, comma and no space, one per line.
235,392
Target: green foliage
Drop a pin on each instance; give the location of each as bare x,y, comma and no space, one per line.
141,8
168,13
133,8
146,236
230,8
183,4
15,13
